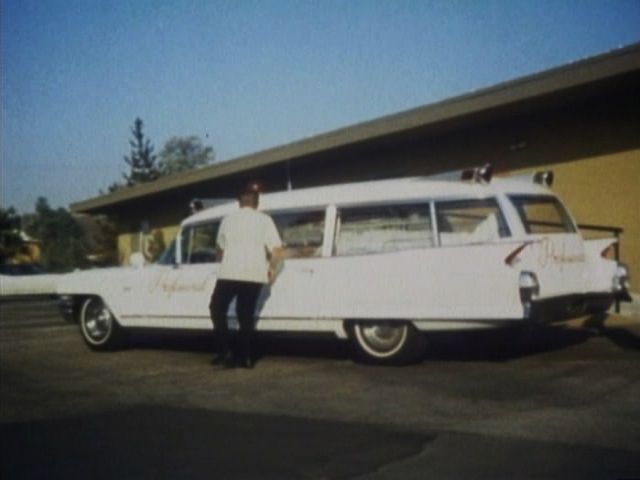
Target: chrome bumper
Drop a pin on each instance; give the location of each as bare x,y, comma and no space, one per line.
557,309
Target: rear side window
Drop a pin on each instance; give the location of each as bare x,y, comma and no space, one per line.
463,222
301,232
542,214
378,229
199,243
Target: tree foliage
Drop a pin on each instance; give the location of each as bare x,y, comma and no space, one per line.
10,240
102,237
64,246
184,153
179,154
114,187
141,160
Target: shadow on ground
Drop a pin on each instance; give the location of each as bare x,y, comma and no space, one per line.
157,442
622,337
480,345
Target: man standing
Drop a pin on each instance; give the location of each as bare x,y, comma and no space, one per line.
251,251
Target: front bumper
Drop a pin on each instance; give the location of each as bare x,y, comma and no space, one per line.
66,305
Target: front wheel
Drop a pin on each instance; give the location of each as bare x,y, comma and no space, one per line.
387,342
98,327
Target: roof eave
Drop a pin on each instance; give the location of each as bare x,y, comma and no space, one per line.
566,77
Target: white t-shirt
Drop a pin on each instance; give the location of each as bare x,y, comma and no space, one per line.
246,236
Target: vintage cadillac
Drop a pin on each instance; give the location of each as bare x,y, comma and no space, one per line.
378,263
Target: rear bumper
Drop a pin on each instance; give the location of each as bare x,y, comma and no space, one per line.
571,306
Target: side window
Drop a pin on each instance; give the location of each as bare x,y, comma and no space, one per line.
542,215
388,228
301,232
470,221
199,243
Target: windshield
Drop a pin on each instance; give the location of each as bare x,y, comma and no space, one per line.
542,214
168,257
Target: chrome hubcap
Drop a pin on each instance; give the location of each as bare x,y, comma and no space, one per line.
383,337
97,321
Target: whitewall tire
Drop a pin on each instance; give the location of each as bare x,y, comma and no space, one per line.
98,326
387,342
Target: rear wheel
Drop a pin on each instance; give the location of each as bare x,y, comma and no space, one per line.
387,342
98,327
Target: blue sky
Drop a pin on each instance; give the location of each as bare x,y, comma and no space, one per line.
249,75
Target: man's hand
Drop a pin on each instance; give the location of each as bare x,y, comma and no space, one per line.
272,275
275,264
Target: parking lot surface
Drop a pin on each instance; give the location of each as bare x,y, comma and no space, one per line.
475,407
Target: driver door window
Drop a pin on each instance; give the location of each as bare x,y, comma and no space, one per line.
198,243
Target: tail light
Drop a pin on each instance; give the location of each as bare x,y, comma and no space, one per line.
529,286
621,278
609,253
513,256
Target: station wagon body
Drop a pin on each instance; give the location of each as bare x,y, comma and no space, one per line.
379,262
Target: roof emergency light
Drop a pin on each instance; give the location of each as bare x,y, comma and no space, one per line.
479,174
198,204
543,178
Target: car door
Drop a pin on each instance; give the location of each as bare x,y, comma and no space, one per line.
177,295
295,294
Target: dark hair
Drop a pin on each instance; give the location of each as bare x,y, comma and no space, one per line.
255,186
251,192
248,196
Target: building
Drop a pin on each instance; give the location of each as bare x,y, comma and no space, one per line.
582,120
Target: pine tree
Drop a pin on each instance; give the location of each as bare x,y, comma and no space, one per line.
141,160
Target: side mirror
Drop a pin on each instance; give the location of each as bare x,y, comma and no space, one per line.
137,260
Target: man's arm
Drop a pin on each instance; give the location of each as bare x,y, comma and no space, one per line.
276,258
221,240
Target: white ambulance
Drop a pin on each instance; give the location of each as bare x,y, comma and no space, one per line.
379,263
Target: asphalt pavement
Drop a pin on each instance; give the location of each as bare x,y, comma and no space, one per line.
474,408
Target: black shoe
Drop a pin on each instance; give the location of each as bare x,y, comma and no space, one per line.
247,362
231,362
218,359
225,360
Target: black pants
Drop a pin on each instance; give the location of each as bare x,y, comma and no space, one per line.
246,295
